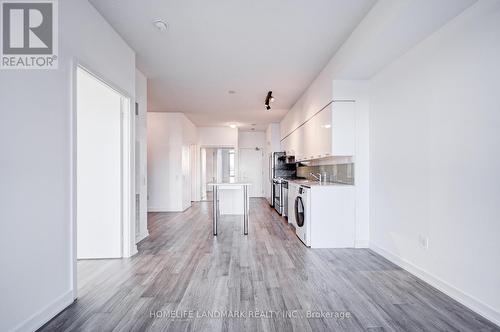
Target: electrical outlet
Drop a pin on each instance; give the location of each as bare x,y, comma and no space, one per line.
423,241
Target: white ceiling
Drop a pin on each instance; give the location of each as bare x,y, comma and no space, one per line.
215,46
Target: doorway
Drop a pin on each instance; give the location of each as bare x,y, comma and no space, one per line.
217,165
251,168
103,154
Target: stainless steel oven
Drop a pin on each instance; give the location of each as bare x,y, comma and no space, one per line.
280,196
277,195
280,166
284,199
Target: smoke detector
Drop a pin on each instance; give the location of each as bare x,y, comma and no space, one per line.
160,25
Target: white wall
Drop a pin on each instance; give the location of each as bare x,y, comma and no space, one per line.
273,144
359,58
217,137
169,180
99,159
273,137
251,139
141,97
35,140
434,138
367,49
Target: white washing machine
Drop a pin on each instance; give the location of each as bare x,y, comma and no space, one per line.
293,189
302,209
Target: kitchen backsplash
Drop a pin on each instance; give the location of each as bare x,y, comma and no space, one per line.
342,173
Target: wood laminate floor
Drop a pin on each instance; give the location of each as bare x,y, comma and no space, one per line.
269,277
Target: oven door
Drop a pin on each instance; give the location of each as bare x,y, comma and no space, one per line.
277,196
284,198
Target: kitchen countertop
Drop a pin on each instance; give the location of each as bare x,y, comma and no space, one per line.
309,183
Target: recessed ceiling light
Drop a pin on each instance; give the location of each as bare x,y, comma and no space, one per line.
232,126
231,92
160,25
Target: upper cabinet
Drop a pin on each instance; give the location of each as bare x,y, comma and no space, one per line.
330,132
343,128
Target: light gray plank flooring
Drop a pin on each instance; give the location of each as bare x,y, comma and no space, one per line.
182,267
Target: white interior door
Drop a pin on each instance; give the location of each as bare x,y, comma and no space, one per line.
251,168
99,155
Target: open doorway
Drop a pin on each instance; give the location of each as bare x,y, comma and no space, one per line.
103,169
217,164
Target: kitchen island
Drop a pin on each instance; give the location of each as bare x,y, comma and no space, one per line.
233,194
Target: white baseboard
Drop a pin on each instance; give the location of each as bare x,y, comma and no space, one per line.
362,244
162,209
141,237
472,303
133,251
41,317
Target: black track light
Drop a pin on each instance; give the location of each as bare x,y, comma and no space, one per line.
269,99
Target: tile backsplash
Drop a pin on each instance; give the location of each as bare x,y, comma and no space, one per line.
342,173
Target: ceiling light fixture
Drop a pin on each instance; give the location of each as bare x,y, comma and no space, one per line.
233,126
269,99
231,92
160,25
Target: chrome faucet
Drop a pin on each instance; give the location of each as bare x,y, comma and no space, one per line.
316,176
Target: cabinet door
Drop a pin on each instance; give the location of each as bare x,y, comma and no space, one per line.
323,133
318,135
301,143
309,139
285,145
343,128
291,144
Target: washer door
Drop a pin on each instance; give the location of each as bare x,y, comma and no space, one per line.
299,211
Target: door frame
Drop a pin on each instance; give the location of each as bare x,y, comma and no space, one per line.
128,246
263,194
200,157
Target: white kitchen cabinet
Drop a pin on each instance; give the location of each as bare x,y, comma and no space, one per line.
285,146
330,132
323,131
343,128
298,143
310,139
291,144
317,140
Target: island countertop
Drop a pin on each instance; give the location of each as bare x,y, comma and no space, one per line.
231,182
230,196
